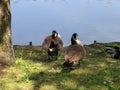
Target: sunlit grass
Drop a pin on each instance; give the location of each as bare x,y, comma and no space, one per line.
48,87
32,71
70,84
17,76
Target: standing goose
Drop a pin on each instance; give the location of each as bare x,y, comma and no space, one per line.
52,44
74,52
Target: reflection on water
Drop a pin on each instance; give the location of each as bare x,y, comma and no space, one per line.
93,20
107,1
16,1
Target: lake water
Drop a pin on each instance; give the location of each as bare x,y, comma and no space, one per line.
93,20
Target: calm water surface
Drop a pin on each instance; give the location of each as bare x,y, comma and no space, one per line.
93,20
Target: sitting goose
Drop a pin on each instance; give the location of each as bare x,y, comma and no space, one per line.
74,52
52,44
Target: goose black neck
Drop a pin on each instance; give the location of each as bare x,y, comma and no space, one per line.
73,40
53,36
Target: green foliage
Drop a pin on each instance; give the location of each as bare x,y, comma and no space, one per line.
113,44
32,71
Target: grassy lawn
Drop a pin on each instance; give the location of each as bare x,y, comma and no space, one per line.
32,71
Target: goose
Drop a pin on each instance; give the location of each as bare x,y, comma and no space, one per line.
74,52
52,44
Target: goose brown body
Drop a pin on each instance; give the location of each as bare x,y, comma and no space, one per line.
47,41
52,44
74,52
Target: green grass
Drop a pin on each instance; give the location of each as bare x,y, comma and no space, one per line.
32,71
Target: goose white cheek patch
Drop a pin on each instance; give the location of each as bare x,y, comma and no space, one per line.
59,36
79,42
55,35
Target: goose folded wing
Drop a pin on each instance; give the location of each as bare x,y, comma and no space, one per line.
74,53
46,42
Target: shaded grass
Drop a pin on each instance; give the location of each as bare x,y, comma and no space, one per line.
32,71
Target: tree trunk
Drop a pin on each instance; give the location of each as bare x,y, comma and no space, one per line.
6,47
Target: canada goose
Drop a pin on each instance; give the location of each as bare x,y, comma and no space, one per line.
74,52
52,44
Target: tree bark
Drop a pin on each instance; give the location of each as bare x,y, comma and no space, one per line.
6,47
